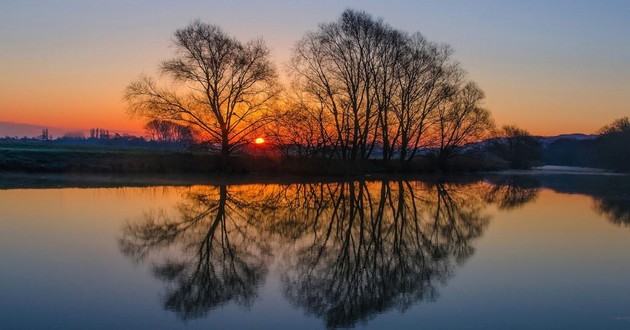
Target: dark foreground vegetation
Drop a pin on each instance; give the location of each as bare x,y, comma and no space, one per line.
510,148
50,157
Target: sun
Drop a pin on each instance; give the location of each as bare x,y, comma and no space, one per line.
259,140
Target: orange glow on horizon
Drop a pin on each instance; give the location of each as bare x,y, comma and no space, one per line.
259,140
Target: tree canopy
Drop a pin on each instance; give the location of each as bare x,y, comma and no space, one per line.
359,89
219,85
373,89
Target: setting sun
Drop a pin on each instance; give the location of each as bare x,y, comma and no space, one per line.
259,140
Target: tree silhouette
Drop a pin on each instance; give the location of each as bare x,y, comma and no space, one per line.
350,250
517,147
460,121
223,261
221,87
377,248
167,131
615,208
366,85
512,192
613,146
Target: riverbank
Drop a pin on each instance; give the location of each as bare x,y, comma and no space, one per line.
555,169
55,158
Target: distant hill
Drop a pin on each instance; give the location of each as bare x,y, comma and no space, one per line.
574,136
544,140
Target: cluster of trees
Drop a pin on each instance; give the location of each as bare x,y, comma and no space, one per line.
363,86
45,135
169,132
99,133
608,150
517,147
613,145
359,89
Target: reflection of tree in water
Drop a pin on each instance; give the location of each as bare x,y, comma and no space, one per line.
615,208
611,197
369,248
353,249
223,260
610,193
512,192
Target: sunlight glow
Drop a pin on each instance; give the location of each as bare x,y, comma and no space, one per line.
259,140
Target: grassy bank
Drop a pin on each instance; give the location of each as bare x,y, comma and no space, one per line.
42,157
54,158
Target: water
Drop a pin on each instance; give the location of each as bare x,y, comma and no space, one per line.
475,253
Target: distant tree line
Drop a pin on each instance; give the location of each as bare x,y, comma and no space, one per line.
99,133
517,147
169,132
162,134
610,149
45,135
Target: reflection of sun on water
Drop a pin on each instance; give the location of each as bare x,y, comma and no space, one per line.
259,140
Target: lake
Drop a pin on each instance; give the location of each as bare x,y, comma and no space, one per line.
510,252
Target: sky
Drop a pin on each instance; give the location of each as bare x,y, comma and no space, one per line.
551,67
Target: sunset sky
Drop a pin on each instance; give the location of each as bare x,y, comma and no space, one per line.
550,67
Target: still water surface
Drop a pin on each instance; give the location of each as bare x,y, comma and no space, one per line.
499,252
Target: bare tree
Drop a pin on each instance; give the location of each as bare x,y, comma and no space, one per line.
371,247
167,131
517,146
299,131
613,145
369,85
332,68
427,79
45,136
512,192
223,257
460,121
220,86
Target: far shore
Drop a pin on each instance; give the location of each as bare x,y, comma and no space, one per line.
556,169
121,166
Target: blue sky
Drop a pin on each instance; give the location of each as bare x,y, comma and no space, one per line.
548,66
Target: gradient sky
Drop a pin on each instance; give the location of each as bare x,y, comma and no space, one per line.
550,67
